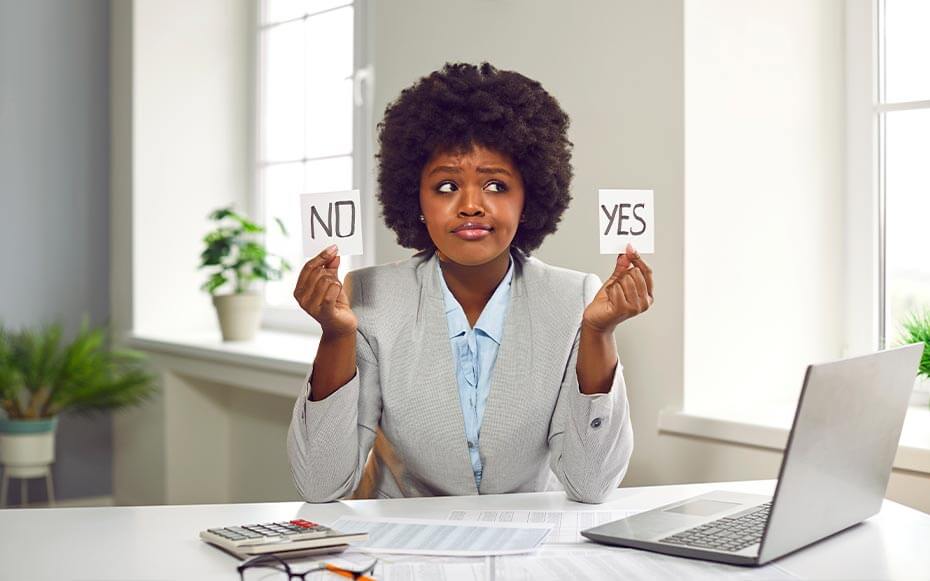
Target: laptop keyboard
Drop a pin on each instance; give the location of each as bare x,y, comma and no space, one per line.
725,534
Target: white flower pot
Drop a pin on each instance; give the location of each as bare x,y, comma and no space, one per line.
240,315
27,447
921,394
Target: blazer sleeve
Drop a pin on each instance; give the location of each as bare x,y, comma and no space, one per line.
328,440
590,437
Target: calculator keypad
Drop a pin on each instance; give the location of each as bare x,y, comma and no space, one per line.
295,530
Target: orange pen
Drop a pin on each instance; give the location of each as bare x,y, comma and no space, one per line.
348,574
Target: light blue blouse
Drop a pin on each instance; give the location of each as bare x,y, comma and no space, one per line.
475,351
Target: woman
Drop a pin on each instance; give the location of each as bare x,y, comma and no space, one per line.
467,367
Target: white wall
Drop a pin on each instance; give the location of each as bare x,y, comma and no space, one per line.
191,148
54,164
767,287
764,201
181,119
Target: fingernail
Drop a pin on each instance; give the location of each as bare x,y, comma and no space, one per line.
330,249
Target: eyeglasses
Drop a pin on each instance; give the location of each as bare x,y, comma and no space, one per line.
277,563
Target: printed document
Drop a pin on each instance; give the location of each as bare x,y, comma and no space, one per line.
410,568
573,562
566,525
438,537
596,563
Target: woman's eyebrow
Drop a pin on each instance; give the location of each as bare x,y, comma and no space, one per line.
482,169
493,170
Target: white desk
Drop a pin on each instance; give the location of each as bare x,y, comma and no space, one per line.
160,542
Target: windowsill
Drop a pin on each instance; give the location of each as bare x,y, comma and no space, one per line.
292,354
268,363
769,429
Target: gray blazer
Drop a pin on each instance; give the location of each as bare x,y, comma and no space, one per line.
403,406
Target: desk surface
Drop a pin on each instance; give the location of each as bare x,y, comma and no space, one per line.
161,542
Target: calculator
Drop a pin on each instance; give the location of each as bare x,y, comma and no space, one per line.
297,537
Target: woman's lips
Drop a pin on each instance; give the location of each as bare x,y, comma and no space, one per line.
473,234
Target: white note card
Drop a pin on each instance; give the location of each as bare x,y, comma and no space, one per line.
626,216
331,218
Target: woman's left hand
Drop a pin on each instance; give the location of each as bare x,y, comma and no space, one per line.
627,293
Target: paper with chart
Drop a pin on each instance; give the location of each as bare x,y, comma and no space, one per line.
596,563
438,537
410,568
566,524
588,562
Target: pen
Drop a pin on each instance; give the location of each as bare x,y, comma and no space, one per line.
349,574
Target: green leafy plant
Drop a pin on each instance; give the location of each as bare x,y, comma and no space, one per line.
916,330
41,377
236,256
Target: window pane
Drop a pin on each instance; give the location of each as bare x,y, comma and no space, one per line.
319,5
907,50
283,95
907,183
329,175
282,187
307,112
279,10
329,118
330,39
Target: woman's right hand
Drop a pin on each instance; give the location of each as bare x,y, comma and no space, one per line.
322,296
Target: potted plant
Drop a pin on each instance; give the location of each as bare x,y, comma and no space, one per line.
237,260
40,377
917,330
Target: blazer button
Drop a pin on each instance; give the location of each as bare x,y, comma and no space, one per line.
596,423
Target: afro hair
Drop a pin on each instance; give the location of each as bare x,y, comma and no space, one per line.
459,106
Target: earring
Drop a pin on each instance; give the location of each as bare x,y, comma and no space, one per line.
522,219
422,219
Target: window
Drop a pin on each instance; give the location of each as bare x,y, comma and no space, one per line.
903,111
312,114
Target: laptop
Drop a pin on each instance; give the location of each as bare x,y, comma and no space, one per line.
833,474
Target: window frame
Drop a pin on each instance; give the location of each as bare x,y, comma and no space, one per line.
867,307
294,319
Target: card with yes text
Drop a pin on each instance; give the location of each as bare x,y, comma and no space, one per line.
626,216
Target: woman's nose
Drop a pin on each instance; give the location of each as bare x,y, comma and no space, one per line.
470,203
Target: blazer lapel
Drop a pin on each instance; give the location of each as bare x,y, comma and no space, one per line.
511,383
538,334
448,448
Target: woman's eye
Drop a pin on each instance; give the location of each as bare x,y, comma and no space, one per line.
448,187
